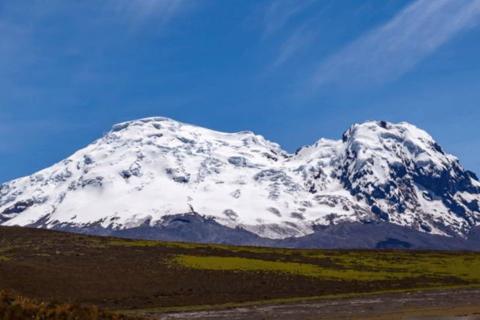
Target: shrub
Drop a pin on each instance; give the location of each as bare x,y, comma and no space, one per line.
14,306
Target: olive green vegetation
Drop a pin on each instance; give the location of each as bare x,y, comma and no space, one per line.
430,264
343,265
359,266
434,264
288,268
355,272
102,243
123,243
366,265
8,248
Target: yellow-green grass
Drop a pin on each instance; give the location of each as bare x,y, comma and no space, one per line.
465,266
8,248
288,268
342,264
359,266
5,258
345,265
123,243
98,242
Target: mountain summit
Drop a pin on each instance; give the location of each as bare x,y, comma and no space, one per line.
162,179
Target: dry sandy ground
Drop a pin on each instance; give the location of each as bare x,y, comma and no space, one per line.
443,304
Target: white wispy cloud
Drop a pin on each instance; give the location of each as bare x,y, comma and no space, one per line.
137,12
388,52
279,12
300,39
281,22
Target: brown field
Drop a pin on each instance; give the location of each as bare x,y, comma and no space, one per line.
118,274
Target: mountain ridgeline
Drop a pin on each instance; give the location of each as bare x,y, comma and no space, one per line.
382,185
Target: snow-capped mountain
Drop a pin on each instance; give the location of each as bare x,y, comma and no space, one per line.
150,172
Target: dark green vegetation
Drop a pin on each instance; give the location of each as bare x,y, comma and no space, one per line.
120,274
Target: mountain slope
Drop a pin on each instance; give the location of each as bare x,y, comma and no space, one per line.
152,172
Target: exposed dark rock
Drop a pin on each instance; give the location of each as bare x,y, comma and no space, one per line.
185,140
471,175
275,211
178,176
180,179
238,161
156,135
380,213
192,227
87,160
269,156
297,215
125,174
426,228
97,182
19,207
230,214
392,243
437,148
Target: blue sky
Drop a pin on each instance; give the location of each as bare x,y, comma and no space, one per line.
293,71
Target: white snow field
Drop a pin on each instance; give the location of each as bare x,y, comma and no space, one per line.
150,168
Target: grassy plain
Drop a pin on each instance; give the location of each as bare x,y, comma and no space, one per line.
121,274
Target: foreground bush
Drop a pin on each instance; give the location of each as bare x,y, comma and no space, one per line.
14,306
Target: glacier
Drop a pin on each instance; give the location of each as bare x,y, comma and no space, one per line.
147,174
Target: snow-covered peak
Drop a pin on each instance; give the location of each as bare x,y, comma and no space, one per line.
377,146
380,136
380,145
179,133
145,170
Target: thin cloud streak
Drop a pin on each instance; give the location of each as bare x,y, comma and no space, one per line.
140,11
390,51
301,38
279,12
